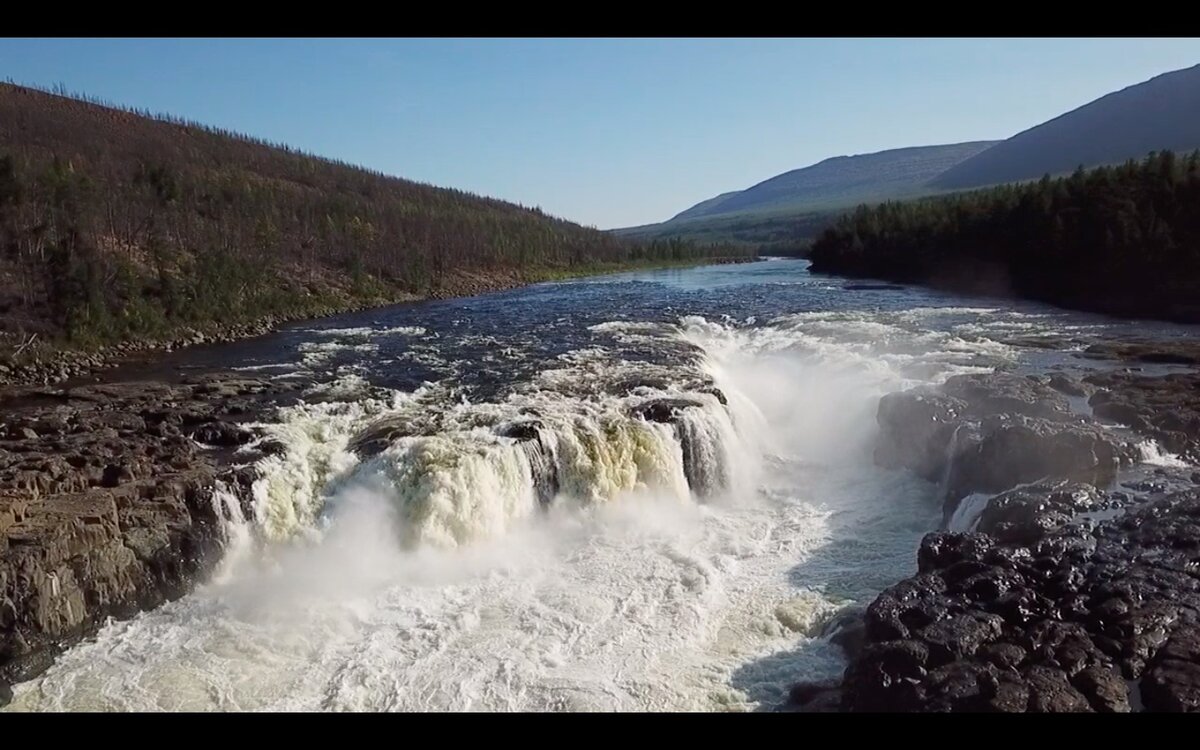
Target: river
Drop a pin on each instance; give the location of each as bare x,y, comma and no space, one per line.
644,491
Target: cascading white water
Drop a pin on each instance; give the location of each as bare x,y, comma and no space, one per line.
966,515
1154,454
680,564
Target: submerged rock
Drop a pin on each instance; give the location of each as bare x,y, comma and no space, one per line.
664,410
380,435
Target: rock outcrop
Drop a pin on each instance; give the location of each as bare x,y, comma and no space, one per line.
112,499
1039,616
1165,409
1071,593
989,433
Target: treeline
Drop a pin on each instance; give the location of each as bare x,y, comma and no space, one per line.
1123,240
116,225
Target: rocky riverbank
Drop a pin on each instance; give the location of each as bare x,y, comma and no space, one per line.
45,362
112,499
1067,575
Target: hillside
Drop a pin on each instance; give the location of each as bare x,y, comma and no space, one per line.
118,226
1162,113
1118,240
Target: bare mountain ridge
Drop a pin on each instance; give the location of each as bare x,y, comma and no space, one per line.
1161,114
842,181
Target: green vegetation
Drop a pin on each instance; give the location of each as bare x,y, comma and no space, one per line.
115,225
1122,240
783,234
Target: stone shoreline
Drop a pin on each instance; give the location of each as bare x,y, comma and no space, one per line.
109,502
51,364
1074,588
109,499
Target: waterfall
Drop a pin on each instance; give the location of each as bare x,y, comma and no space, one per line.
968,512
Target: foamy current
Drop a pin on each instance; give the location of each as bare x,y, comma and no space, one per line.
555,544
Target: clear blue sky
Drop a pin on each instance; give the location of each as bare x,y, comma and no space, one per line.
605,132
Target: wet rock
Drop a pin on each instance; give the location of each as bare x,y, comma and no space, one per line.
1025,515
1104,688
887,676
663,410
223,434
1051,692
1156,352
1069,386
376,438
958,637
1013,451
529,430
1003,692
1005,393
847,629
1004,656
960,686
943,549
815,697
106,513
989,433
1172,682
1165,409
916,430
1050,620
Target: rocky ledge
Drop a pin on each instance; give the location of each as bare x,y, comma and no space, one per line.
108,502
1034,613
988,433
1074,586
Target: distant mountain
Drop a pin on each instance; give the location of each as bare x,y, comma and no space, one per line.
1162,113
704,208
842,181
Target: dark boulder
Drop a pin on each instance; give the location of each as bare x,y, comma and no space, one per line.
992,432
223,434
848,630
1172,682
917,428
1024,515
1043,617
815,697
663,410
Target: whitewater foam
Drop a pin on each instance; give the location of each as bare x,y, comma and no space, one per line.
683,564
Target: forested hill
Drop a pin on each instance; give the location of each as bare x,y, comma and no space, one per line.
117,225
1121,240
1160,114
